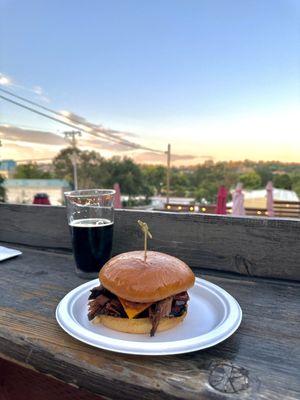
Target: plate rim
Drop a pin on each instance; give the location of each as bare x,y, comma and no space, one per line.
142,348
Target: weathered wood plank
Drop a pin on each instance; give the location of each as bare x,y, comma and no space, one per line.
265,351
245,245
17,380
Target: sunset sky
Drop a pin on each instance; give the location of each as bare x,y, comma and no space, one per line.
214,78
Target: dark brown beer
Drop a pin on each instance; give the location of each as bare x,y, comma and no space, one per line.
92,243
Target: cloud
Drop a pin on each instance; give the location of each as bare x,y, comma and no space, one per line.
16,134
25,151
99,130
28,143
148,157
103,145
47,144
39,91
6,80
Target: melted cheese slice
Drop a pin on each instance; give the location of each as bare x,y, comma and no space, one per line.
133,309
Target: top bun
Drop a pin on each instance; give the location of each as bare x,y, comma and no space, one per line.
161,276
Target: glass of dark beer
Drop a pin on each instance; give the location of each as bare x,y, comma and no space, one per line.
91,221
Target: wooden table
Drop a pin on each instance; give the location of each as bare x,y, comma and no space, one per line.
260,361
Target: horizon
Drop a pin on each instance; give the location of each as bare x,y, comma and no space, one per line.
203,80
191,166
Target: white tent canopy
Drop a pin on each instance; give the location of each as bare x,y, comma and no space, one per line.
257,198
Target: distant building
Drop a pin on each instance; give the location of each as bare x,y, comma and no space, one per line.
258,198
7,168
159,202
24,190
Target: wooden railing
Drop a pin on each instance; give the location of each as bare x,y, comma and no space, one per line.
282,209
244,245
288,209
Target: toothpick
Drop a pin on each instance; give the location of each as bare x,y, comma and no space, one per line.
145,229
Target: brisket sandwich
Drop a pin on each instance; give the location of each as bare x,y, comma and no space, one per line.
141,297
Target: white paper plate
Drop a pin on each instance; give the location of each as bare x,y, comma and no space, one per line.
6,253
213,316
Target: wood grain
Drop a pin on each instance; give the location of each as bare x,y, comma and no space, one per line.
249,246
260,361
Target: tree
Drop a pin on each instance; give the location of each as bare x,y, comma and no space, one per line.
250,180
62,163
295,178
180,184
2,189
283,181
155,177
207,191
128,175
296,188
31,171
92,169
265,173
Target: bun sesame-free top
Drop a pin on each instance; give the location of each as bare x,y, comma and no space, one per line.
129,277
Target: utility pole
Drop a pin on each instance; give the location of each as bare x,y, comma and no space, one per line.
71,138
168,152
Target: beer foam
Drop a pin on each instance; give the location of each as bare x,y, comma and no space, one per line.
90,222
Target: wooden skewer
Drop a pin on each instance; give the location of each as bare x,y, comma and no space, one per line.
145,229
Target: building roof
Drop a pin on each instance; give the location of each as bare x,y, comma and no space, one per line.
36,183
278,194
7,165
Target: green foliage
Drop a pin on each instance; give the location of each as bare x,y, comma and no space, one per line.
2,189
31,171
251,180
62,164
295,178
155,176
296,187
94,171
283,181
207,191
128,175
200,181
265,173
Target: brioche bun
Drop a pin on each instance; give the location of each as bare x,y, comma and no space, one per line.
139,325
161,276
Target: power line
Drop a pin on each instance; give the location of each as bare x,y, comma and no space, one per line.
72,119
112,137
38,112
47,108
28,101
56,119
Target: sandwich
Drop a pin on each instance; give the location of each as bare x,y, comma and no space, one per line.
138,296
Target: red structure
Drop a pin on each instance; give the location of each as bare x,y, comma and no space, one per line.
221,200
41,198
117,202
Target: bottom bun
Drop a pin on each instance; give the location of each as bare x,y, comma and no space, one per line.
140,325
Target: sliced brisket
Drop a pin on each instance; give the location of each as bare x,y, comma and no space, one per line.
103,302
159,310
96,306
113,308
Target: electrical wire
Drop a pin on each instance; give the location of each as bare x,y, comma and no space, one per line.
103,135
